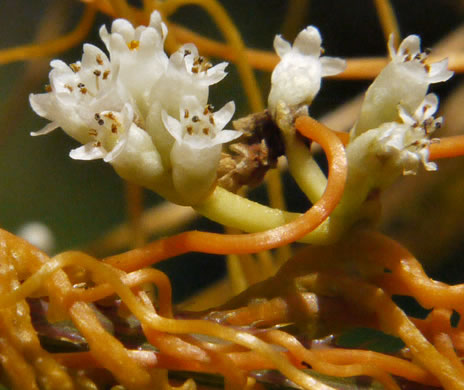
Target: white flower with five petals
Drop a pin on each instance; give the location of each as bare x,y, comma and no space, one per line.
408,143
77,92
190,75
297,77
199,136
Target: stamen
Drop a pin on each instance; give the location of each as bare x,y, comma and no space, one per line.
97,72
190,130
195,118
93,132
114,128
106,73
186,114
75,67
99,59
206,130
48,88
206,66
69,87
211,120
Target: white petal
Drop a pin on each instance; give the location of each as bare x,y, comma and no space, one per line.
157,23
225,136
281,46
58,64
91,53
42,103
216,73
308,42
124,28
410,45
224,115
172,125
439,72
428,107
332,66
46,129
105,36
88,152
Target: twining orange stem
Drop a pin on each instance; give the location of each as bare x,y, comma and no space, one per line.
136,278
357,68
45,49
348,370
447,147
407,277
195,241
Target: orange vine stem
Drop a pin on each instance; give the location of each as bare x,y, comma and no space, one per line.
195,241
447,147
357,68
28,52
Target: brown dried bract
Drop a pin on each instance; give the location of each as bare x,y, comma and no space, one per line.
247,161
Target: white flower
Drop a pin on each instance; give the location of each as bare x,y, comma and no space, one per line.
107,130
77,92
404,81
198,142
187,74
408,143
297,77
139,55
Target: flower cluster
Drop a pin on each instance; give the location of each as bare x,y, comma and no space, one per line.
396,117
142,112
148,115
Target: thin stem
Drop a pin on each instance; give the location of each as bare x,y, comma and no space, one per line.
388,20
366,68
447,147
49,48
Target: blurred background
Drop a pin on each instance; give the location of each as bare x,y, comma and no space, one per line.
81,201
